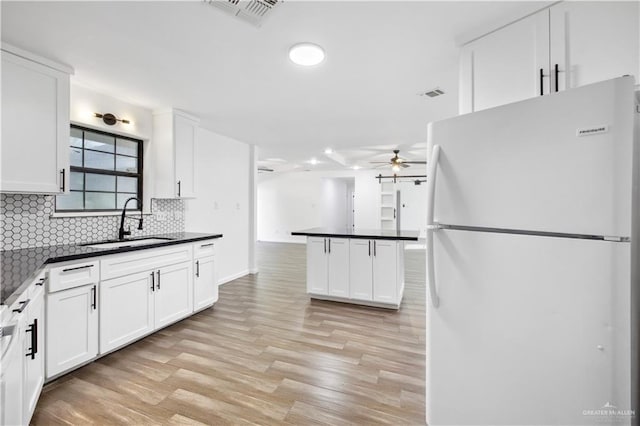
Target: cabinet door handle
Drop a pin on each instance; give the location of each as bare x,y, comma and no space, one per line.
158,279
41,282
63,179
329,245
542,82
33,329
206,245
556,71
23,305
153,281
34,336
394,213
369,248
77,267
179,188
375,253
198,268
94,292
325,244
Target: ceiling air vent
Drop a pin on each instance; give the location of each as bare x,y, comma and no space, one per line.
432,93
252,11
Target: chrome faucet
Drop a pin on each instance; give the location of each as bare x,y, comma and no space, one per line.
121,231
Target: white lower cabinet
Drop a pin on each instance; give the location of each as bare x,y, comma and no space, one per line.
34,352
135,305
328,266
126,309
317,269
374,271
174,293
72,328
205,285
359,270
385,271
338,260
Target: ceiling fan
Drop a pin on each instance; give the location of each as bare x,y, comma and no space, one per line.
397,163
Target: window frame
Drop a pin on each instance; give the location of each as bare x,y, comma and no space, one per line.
115,173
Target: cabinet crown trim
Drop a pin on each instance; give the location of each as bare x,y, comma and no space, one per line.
36,58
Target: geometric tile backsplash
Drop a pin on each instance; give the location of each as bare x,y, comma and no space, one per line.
26,222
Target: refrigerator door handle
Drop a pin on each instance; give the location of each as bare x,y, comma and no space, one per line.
431,225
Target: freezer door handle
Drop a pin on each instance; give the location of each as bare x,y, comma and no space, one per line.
431,225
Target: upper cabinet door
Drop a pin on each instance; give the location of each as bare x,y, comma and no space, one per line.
594,41
185,141
35,127
505,66
172,151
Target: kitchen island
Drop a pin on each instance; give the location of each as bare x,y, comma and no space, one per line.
360,266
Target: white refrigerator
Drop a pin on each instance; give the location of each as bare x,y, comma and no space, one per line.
532,261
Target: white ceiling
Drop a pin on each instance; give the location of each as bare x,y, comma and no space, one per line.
362,101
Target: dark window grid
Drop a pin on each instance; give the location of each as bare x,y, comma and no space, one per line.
101,152
113,172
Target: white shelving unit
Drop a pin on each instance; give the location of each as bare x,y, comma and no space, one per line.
387,205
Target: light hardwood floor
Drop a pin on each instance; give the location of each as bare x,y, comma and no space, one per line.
265,354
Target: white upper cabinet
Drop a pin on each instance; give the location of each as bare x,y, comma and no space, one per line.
504,66
173,154
594,41
567,45
35,124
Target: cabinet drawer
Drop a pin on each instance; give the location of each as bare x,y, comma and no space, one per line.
204,248
73,275
144,260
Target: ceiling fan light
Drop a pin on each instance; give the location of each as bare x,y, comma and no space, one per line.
395,168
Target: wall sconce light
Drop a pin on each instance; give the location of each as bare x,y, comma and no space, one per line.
110,119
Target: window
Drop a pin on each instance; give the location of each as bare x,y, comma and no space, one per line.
106,170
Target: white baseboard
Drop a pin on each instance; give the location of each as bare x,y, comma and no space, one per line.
253,271
282,241
233,277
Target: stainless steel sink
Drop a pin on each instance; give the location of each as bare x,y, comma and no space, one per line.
127,243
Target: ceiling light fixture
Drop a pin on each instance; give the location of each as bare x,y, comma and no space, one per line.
356,167
328,151
306,54
110,119
395,168
313,161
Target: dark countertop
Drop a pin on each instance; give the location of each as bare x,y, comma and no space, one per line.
20,267
374,234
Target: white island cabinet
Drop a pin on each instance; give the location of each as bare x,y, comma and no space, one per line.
328,266
356,266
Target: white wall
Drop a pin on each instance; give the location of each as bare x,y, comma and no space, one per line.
85,102
413,199
222,200
334,202
299,200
